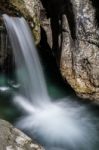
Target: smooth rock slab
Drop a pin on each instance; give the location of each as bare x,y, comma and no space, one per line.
13,139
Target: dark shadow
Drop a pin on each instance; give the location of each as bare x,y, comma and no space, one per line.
55,9
8,8
7,64
51,68
95,3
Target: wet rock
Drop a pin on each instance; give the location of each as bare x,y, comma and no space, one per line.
13,139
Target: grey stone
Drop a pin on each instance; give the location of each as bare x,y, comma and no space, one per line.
13,139
77,52
80,56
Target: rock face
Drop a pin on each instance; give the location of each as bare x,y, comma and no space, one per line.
80,55
13,139
75,43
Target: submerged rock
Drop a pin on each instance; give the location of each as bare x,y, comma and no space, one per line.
13,139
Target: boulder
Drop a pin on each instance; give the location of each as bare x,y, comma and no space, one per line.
13,139
79,62
75,42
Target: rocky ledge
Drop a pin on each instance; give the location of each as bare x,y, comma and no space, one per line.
13,139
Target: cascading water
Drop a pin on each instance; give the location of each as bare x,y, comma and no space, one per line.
62,125
33,83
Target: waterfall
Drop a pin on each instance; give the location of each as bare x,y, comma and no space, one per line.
26,57
60,125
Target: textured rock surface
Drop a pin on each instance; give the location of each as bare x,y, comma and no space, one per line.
80,56
75,40
13,139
